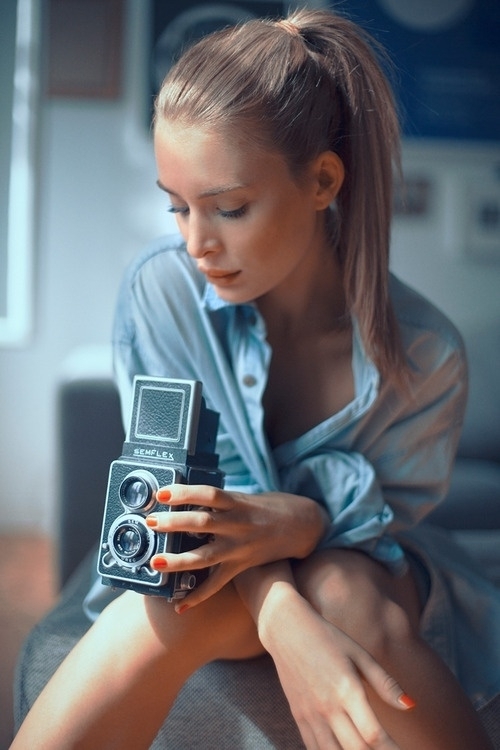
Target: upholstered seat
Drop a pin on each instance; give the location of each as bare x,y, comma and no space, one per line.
238,705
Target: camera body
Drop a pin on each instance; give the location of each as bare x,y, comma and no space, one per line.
170,440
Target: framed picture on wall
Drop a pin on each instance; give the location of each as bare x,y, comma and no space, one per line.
83,49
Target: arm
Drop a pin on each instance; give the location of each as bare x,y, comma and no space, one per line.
409,446
318,665
245,530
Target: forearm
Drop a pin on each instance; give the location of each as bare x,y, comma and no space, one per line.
265,590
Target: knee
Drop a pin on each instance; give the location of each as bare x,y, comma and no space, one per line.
355,594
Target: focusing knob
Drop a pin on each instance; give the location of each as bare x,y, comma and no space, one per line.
187,582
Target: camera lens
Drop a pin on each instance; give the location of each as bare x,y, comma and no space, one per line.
138,490
130,541
135,493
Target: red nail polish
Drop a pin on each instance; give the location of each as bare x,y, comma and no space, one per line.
407,702
163,495
152,522
159,563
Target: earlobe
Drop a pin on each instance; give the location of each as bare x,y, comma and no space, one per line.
329,171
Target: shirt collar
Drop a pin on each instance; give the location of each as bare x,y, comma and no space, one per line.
211,301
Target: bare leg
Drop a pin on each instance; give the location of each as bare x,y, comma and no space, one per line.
118,684
382,613
120,681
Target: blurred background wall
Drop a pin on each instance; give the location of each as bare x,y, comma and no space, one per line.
97,205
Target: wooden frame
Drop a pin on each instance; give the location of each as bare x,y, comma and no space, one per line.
84,48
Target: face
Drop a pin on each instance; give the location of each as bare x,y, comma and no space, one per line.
252,229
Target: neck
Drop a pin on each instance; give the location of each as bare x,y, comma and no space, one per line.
310,303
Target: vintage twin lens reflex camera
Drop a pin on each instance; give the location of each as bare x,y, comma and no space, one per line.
171,439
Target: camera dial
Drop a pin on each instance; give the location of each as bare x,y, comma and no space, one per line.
130,541
138,490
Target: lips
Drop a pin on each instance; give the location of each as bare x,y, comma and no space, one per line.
217,275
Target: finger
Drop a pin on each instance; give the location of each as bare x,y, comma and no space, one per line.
195,494
205,556
199,521
383,683
346,735
219,577
321,738
361,728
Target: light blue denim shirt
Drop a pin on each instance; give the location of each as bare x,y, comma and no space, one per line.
378,466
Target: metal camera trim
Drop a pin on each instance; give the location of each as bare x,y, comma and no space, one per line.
131,519
149,480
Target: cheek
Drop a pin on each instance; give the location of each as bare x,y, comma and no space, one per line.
289,235
182,228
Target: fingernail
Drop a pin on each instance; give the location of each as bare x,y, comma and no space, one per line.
152,522
181,608
163,495
407,702
159,563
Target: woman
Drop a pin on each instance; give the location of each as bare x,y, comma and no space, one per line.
341,394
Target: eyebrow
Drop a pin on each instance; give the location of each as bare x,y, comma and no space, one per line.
211,192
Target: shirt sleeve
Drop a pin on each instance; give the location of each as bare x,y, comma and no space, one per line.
346,484
154,318
414,453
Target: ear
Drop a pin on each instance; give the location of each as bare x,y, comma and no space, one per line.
328,170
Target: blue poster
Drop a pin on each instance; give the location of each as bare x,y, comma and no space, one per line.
446,55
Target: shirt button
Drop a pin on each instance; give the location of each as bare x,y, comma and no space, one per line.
249,381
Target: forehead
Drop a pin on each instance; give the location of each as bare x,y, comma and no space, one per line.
176,136
207,154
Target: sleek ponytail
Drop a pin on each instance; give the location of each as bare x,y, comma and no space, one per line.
303,85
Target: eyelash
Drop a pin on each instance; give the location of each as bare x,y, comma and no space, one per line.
235,214
178,210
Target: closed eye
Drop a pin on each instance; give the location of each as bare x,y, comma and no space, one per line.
183,210
235,213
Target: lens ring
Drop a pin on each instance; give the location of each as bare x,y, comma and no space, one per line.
138,490
130,541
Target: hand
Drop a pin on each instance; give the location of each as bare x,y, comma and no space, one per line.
321,671
244,531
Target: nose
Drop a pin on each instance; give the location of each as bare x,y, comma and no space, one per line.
200,239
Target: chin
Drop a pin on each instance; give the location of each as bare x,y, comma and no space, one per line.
232,295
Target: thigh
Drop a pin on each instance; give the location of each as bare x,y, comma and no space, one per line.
218,628
360,595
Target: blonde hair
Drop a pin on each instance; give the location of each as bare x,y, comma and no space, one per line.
310,83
